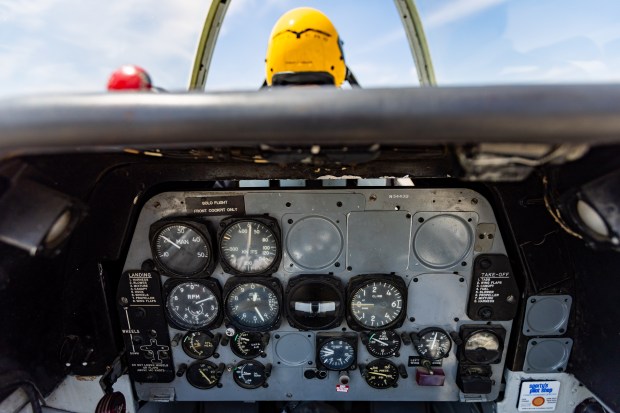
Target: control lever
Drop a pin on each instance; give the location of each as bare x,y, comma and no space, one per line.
402,370
405,338
176,339
264,340
182,369
365,338
455,337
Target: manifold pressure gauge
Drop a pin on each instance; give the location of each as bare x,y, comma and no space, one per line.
432,343
381,374
252,303
250,246
182,248
193,305
376,302
384,343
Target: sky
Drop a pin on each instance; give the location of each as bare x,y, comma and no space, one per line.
74,45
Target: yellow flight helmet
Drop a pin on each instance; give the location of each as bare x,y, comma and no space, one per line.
304,48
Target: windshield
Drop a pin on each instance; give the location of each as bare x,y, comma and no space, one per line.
69,45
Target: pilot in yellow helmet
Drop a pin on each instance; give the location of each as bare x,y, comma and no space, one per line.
304,49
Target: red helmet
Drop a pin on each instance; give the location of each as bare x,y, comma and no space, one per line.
130,77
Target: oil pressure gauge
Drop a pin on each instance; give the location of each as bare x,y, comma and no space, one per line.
250,246
182,248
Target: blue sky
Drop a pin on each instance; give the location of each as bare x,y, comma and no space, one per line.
73,45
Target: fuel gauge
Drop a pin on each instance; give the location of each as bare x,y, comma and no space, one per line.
199,345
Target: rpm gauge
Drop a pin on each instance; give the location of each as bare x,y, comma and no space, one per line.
181,248
250,246
192,305
377,303
253,306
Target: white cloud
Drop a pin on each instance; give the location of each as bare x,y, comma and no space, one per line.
457,10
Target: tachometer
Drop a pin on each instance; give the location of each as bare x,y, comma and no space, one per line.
192,305
250,246
376,302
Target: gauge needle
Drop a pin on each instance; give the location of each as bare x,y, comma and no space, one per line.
259,314
247,252
202,301
170,241
434,341
379,374
379,341
205,377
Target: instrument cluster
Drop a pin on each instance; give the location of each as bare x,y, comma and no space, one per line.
297,294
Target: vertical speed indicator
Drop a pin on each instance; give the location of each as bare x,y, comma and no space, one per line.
250,246
376,302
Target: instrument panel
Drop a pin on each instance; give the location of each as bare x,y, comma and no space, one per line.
352,294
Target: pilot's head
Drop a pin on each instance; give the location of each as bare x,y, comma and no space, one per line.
304,49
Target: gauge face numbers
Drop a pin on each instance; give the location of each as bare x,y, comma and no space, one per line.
376,305
249,374
198,345
482,347
432,343
381,374
181,250
247,345
253,305
192,305
384,343
203,375
249,247
337,354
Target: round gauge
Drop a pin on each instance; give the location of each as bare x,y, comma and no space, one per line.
249,247
203,375
198,345
249,374
253,305
337,354
381,374
432,343
247,345
376,305
180,249
315,303
482,347
192,305
384,343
